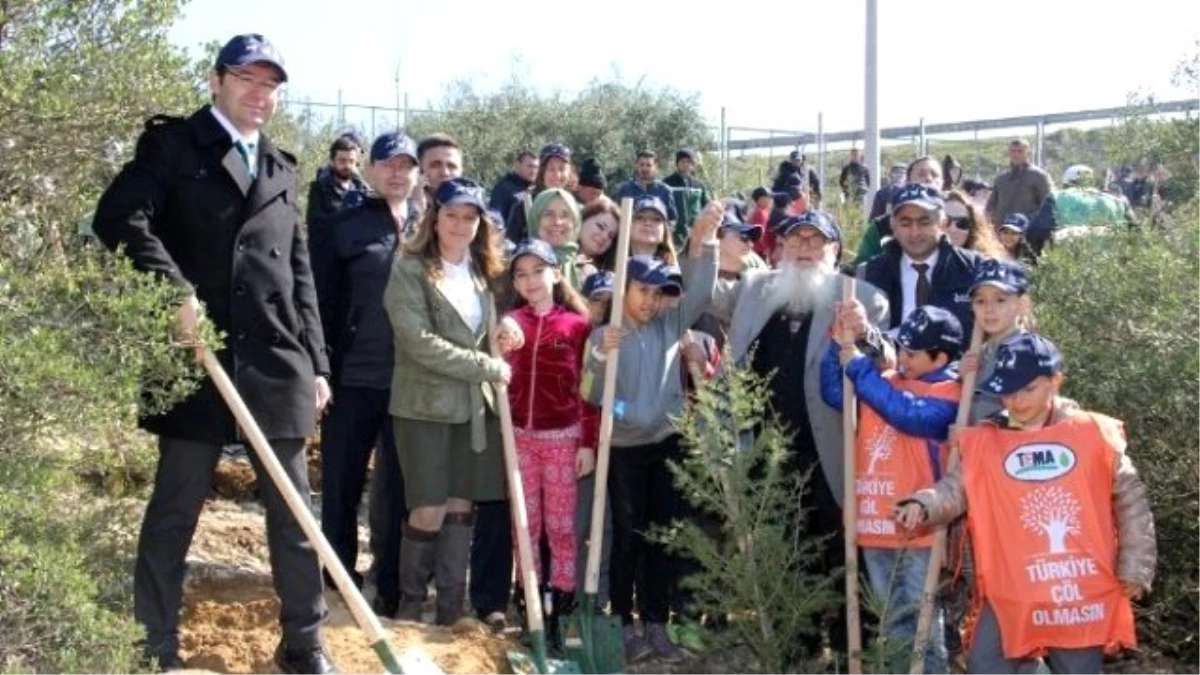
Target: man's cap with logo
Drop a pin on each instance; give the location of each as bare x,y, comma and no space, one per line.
731,221
931,327
600,281
243,50
559,150
650,203
538,248
1016,222
461,191
919,195
814,219
1019,360
1006,275
393,144
654,272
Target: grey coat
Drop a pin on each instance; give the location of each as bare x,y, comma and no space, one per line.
745,304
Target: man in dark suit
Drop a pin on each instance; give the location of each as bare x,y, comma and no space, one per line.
209,204
920,266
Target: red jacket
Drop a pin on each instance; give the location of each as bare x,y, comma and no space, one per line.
546,373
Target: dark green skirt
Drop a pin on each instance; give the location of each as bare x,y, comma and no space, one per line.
438,462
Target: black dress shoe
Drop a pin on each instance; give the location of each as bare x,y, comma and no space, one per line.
160,663
311,660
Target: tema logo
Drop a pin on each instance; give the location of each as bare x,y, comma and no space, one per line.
1039,461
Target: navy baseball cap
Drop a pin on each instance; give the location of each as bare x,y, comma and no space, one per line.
925,197
559,150
243,50
650,203
1020,360
1008,276
654,272
1015,221
930,327
534,247
814,219
731,222
461,191
393,144
598,282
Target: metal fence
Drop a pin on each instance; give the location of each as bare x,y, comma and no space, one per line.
371,121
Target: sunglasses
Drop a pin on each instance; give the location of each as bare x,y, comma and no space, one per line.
961,222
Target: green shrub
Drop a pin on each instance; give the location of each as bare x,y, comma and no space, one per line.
753,571
1124,309
64,572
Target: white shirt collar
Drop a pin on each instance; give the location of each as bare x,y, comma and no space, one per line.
234,134
931,260
458,269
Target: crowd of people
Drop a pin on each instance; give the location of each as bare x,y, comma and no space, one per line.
410,291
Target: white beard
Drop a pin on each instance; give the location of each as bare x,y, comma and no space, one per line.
798,289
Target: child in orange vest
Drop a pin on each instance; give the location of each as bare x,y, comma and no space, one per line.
904,416
1060,523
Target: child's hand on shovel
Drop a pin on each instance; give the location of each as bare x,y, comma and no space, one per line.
910,514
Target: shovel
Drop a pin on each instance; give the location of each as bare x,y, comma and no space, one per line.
593,639
849,503
516,497
937,553
412,660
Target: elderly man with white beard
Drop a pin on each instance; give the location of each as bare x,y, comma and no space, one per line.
781,322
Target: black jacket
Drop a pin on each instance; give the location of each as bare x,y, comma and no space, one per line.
504,193
949,282
185,208
352,260
327,198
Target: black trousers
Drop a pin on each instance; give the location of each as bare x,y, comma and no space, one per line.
492,558
643,495
358,422
182,482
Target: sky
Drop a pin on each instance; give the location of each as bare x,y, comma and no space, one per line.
769,65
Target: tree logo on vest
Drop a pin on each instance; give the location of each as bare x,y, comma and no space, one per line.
1052,511
880,446
1037,462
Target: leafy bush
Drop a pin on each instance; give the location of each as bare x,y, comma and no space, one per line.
608,119
64,574
753,572
1124,309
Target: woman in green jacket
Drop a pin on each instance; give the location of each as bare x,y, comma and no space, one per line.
439,302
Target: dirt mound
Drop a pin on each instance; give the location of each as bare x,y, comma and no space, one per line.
231,626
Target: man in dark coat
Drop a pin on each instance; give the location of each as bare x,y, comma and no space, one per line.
212,206
336,186
920,266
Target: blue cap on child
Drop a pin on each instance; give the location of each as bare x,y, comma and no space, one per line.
534,247
1020,360
654,272
930,327
598,282
1008,276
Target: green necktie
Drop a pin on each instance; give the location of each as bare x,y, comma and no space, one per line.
246,150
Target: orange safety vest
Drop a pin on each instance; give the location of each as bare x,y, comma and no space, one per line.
891,465
1040,512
